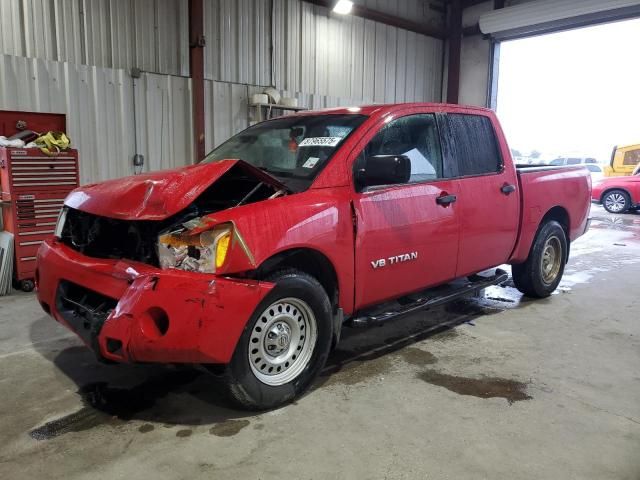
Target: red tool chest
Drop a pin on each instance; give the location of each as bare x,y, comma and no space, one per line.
34,186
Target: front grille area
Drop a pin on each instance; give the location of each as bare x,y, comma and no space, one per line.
83,309
103,237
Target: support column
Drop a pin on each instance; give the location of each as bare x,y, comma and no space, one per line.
196,72
455,45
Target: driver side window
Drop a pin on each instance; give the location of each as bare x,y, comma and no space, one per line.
416,137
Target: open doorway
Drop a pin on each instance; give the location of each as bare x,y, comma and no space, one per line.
571,96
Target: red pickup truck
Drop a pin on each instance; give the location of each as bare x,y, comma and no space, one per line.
254,259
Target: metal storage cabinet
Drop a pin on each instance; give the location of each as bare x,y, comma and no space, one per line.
34,186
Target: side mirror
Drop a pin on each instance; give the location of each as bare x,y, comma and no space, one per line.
383,170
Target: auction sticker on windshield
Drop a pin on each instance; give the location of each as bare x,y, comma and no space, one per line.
311,162
320,142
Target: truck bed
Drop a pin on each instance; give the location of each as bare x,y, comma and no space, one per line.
546,187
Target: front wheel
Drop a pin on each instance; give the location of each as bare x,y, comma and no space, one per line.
616,201
284,345
540,275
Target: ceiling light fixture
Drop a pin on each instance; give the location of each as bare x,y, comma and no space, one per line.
343,7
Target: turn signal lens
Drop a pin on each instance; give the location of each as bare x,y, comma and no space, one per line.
222,246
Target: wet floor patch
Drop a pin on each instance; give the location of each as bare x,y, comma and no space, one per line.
146,428
112,405
184,433
84,419
484,387
417,356
357,372
228,428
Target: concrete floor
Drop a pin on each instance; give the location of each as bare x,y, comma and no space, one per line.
514,389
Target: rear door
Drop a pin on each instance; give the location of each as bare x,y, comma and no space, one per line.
406,239
488,204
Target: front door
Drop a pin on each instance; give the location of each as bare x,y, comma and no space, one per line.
406,238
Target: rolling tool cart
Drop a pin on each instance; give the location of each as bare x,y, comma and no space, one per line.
33,189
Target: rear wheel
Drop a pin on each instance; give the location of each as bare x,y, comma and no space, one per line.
284,345
616,201
540,275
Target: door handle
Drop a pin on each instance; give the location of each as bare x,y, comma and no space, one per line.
507,188
445,200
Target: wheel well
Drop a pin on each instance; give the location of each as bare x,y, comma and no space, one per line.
309,261
560,215
615,188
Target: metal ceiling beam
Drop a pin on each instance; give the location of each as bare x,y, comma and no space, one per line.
391,20
471,3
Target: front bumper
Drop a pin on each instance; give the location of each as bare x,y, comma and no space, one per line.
132,312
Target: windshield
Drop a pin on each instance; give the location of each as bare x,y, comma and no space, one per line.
293,149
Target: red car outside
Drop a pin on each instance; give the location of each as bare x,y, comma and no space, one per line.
255,258
617,194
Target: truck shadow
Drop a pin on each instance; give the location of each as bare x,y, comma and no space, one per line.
362,345
169,396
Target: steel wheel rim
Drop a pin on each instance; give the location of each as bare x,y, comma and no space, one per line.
615,202
551,260
282,341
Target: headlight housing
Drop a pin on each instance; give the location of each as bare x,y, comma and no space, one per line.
204,252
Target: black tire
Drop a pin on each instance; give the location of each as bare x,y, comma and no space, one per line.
243,386
613,198
27,285
530,277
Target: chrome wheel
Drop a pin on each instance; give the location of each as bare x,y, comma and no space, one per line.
615,202
551,260
282,341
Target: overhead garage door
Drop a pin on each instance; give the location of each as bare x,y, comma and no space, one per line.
544,16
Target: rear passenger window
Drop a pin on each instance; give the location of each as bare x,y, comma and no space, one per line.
474,144
415,136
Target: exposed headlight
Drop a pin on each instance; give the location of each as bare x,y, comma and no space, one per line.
62,218
204,252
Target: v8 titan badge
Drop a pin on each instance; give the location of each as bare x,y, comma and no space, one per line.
403,257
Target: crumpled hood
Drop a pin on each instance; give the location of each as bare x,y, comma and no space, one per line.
157,195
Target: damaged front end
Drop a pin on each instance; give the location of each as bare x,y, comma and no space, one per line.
144,288
187,240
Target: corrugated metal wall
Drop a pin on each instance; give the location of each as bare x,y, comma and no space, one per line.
346,56
81,53
238,34
148,34
164,121
99,103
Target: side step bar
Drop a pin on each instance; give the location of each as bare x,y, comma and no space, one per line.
432,297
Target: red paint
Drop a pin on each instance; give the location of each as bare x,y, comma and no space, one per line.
35,121
566,188
153,196
482,229
199,308
399,220
33,187
630,184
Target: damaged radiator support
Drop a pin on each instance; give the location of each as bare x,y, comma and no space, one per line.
84,309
